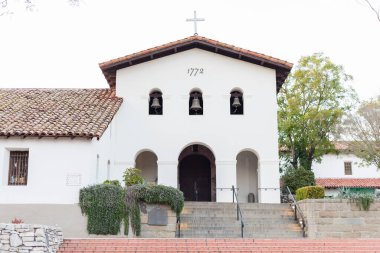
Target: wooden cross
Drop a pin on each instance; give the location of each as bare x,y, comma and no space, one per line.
195,20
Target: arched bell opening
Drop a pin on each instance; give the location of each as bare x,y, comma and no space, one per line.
146,161
195,102
155,102
236,102
247,176
197,173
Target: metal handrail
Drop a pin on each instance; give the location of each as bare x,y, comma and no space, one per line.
178,227
238,211
298,215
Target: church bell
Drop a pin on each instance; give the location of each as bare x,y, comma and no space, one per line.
155,103
236,102
195,106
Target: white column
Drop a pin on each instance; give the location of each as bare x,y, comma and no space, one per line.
269,182
225,178
167,173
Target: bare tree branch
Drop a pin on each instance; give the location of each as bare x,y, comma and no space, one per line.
377,12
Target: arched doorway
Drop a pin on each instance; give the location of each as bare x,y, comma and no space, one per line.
197,174
247,176
146,161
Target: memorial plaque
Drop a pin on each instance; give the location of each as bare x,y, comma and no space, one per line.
158,217
73,179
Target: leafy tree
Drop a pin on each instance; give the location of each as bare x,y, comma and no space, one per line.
363,128
298,178
311,103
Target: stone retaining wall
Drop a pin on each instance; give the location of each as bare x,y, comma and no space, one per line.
157,231
25,238
340,218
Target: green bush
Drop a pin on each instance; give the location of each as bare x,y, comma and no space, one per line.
104,206
152,194
113,182
310,192
131,176
297,178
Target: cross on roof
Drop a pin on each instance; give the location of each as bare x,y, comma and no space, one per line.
195,20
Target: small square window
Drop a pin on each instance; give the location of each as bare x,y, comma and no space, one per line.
347,168
18,167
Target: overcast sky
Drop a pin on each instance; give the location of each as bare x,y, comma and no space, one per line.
58,45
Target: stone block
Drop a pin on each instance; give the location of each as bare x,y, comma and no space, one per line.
28,239
328,214
5,247
15,240
35,244
39,232
27,234
4,237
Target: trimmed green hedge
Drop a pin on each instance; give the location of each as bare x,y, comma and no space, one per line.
113,182
152,194
104,206
310,192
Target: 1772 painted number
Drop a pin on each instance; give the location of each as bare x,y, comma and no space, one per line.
195,71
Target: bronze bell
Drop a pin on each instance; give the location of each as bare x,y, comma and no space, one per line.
196,105
155,103
236,102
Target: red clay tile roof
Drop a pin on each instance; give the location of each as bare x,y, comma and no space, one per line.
348,182
282,67
342,146
57,112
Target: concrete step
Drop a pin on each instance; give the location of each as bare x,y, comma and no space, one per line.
202,205
234,215
224,221
208,219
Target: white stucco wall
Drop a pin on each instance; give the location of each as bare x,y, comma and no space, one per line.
332,166
224,134
51,163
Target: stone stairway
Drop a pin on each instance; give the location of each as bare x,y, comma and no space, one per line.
218,220
180,245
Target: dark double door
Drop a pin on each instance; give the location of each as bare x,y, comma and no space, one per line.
195,178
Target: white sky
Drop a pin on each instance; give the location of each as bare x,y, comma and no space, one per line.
60,46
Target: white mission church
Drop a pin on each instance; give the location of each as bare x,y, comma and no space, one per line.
195,114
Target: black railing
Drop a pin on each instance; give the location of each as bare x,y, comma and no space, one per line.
238,210
298,215
178,227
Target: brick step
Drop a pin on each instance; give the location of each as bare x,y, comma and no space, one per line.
233,216
219,245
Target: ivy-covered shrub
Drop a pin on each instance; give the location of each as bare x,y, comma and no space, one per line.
104,205
297,178
152,194
362,199
113,182
132,176
310,192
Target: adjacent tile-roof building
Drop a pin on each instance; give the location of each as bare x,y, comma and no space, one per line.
348,182
57,112
282,67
